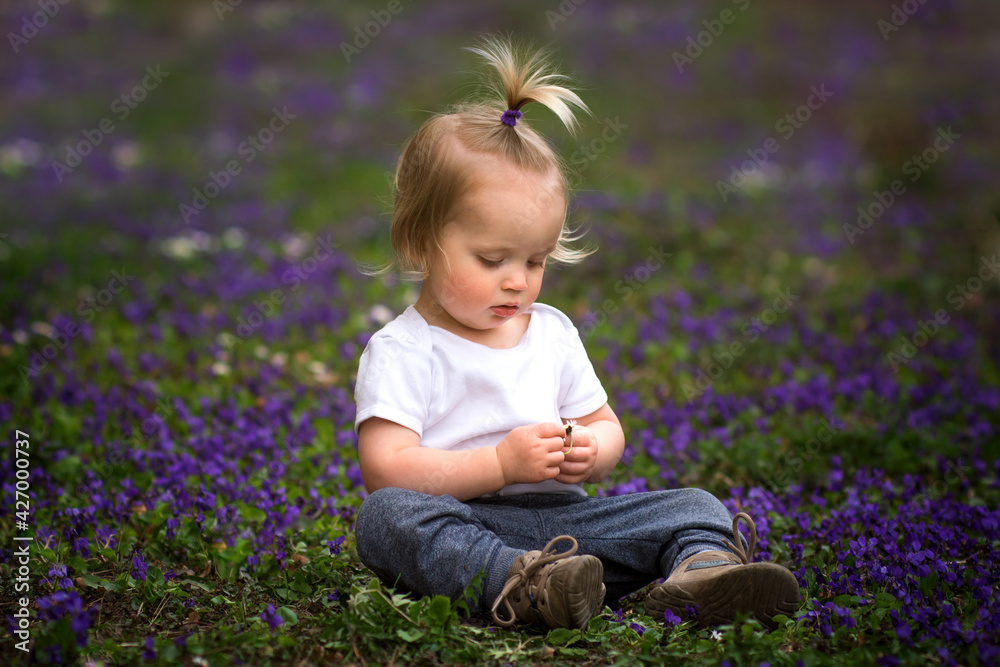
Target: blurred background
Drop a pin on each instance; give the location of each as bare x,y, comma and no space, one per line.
207,146
688,106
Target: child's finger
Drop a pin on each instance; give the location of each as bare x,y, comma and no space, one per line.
555,458
554,444
551,429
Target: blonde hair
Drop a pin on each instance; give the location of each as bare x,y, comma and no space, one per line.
428,181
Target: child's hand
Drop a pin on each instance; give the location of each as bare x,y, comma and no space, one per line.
532,453
580,458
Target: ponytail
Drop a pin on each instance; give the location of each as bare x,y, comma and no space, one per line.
429,180
522,79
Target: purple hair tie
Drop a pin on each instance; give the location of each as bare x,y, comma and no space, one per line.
510,116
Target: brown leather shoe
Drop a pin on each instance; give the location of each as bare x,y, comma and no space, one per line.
555,590
722,584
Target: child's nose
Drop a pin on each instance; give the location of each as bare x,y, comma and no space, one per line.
516,279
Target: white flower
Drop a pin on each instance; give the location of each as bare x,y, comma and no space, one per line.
380,314
126,154
716,635
234,237
570,423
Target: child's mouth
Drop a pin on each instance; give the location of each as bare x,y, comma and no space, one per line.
504,311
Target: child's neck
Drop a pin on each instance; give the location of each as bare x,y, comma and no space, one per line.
503,337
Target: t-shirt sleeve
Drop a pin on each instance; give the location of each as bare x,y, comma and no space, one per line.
580,390
394,379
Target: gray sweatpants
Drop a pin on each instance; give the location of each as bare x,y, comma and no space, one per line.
435,545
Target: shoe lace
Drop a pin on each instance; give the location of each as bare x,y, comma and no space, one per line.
524,577
744,554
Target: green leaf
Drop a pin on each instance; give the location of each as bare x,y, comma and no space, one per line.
226,568
168,653
154,576
251,514
563,637
438,611
65,467
928,585
288,615
300,584
885,600
199,582
91,580
410,636
59,634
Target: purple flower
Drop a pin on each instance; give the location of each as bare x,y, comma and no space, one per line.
67,603
335,545
670,619
57,576
81,545
139,567
271,618
901,625
149,653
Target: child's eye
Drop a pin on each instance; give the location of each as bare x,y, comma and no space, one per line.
490,262
536,265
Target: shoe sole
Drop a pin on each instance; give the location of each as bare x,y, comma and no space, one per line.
763,589
580,582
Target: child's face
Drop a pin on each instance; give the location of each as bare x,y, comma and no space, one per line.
493,250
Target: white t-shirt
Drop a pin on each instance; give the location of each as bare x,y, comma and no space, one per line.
457,394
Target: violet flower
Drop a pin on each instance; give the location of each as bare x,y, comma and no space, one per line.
139,567
271,618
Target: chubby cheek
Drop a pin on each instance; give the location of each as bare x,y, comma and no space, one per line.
535,285
460,288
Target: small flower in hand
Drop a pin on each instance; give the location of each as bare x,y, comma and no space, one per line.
570,423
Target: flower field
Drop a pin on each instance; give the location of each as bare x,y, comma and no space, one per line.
795,304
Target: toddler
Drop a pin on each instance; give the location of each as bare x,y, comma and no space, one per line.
479,415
